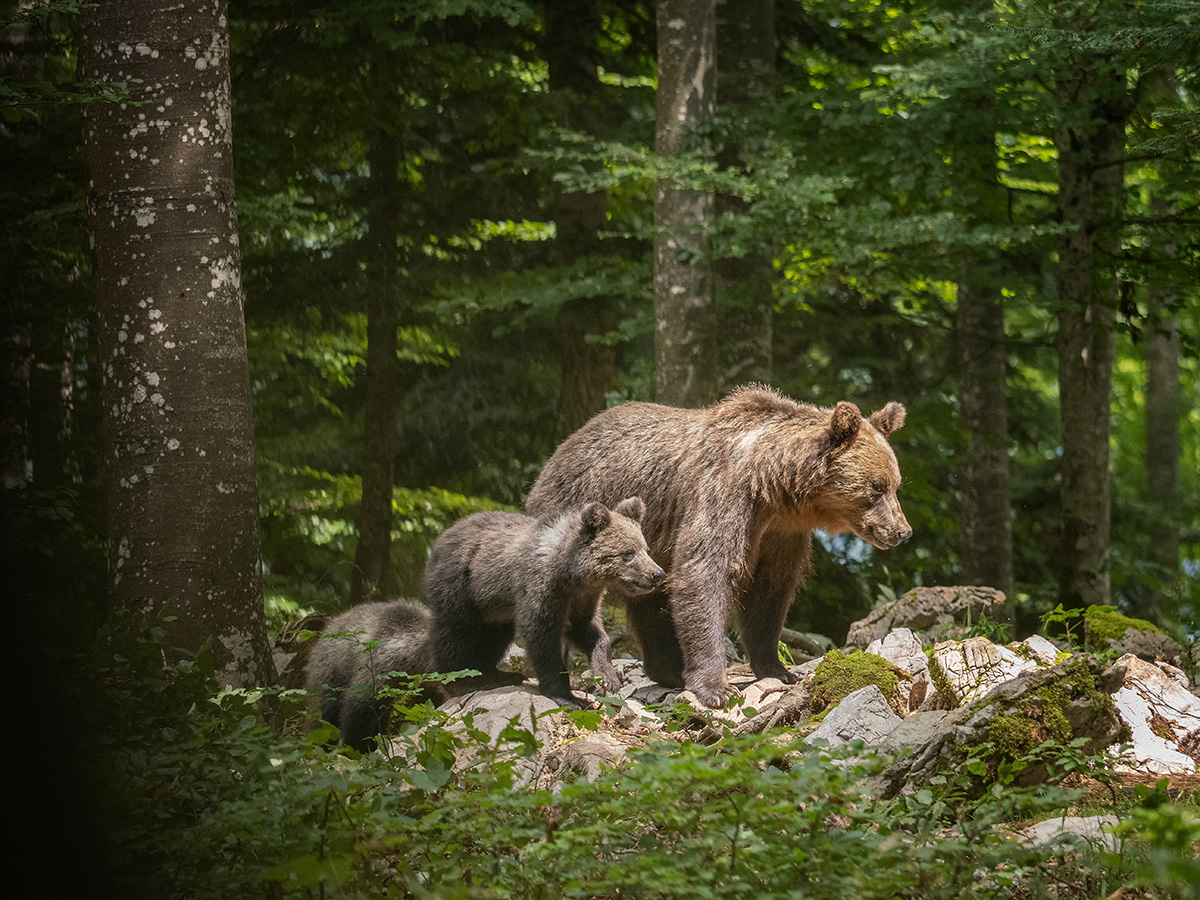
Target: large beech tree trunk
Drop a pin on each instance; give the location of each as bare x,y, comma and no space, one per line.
986,549
180,479
1090,140
372,570
746,74
588,367
685,354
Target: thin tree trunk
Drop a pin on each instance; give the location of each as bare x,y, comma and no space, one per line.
746,73
588,367
180,480
372,570
685,334
20,61
986,549
1163,410
1090,141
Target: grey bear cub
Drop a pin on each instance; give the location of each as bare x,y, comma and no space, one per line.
348,673
495,575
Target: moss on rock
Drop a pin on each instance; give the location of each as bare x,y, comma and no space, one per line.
839,674
1102,624
1002,732
1060,710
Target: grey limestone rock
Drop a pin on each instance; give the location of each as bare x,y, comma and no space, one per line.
930,611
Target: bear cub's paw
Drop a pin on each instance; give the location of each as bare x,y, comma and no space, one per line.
570,701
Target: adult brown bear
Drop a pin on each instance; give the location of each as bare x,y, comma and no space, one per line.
732,492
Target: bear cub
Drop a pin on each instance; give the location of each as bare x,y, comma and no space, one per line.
347,673
495,575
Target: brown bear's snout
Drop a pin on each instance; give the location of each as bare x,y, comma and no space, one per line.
884,526
648,577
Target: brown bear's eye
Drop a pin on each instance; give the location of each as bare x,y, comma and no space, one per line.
628,555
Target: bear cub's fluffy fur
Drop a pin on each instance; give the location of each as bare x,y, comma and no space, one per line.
493,574
347,672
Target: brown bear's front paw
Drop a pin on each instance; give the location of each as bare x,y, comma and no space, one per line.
714,696
570,701
775,671
787,677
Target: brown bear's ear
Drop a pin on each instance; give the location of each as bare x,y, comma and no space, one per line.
843,427
632,508
888,419
596,517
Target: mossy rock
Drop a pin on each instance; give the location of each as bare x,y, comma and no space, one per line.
841,674
1105,628
1003,731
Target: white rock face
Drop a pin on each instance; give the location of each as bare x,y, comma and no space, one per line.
975,666
903,650
1071,831
1162,714
1041,649
863,715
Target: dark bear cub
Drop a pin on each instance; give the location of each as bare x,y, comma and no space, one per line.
348,673
494,575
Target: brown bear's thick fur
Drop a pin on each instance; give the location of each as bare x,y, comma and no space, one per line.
733,492
494,573
348,664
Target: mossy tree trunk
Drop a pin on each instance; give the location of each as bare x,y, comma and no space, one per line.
588,367
685,355
1163,411
746,74
180,482
371,579
986,547
1093,106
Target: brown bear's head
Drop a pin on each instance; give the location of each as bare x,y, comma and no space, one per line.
616,548
863,476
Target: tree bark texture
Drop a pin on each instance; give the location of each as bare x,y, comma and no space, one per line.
685,353
746,74
986,551
1090,140
371,580
1163,410
588,367
180,480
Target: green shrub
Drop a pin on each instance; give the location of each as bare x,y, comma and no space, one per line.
206,798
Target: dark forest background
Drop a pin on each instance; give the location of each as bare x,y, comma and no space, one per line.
898,201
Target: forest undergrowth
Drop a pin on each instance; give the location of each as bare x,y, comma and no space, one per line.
202,792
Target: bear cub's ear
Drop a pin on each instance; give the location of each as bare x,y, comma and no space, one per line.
596,517
843,426
888,419
631,508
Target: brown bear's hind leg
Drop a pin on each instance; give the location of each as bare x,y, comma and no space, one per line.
652,625
782,563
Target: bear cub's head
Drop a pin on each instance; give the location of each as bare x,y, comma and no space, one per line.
616,548
864,475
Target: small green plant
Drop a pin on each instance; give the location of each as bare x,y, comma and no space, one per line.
785,655
1068,619
996,632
